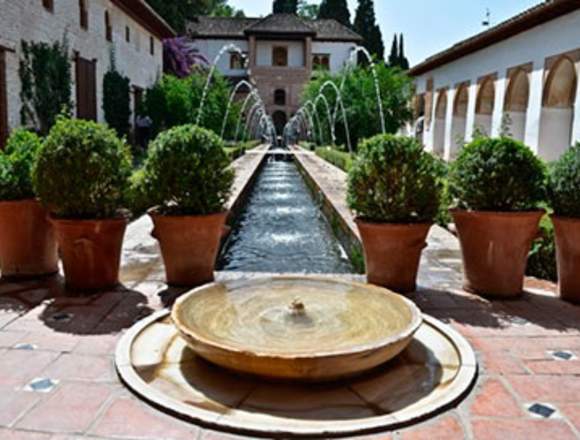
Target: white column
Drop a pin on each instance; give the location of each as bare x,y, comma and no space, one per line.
532,138
449,124
498,102
576,124
471,111
428,135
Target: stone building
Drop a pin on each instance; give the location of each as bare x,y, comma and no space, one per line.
92,28
282,50
519,77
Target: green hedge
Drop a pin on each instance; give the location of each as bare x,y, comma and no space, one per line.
340,159
238,150
542,258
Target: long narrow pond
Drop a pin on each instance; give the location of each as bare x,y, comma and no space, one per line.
282,229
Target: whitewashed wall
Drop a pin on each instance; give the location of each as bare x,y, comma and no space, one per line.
28,20
295,52
534,46
339,53
211,48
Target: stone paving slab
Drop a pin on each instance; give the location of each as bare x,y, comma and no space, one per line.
57,378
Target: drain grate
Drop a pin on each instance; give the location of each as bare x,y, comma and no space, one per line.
42,385
563,355
25,347
62,317
542,410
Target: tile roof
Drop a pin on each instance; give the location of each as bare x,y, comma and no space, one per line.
144,14
528,19
282,24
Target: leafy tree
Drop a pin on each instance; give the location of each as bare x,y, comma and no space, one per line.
397,57
117,99
394,56
360,101
365,23
337,9
403,61
307,10
285,7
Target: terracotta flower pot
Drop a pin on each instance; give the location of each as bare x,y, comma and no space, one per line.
392,253
189,245
27,241
568,256
91,251
495,248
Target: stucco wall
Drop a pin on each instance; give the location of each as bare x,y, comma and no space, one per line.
534,46
339,52
295,52
28,20
211,48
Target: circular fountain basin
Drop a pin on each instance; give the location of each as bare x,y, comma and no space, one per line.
295,328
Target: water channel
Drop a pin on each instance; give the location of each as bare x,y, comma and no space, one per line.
282,229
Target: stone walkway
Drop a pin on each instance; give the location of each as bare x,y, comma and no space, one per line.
57,378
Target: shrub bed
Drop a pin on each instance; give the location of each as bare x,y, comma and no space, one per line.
16,164
339,159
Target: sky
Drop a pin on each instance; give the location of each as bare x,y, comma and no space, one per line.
429,26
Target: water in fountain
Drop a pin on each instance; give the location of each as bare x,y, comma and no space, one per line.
341,103
313,115
252,95
282,229
231,100
223,50
322,98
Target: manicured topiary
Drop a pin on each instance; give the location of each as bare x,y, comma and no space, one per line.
82,170
564,184
16,165
497,174
393,180
187,172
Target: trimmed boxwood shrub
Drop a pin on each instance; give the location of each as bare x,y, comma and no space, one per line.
340,159
187,172
564,184
16,163
497,174
82,170
393,180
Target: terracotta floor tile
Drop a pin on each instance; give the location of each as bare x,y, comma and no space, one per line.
71,409
524,429
6,434
18,367
445,428
554,367
494,400
572,413
81,367
14,403
9,339
50,340
550,389
129,418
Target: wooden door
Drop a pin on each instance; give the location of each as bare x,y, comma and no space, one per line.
86,72
3,100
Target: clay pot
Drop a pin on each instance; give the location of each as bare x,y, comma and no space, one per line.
189,246
91,251
27,242
392,253
568,256
495,248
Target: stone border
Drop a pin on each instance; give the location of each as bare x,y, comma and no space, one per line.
456,391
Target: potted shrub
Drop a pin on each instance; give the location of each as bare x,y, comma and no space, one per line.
187,181
497,185
394,189
81,176
564,190
27,242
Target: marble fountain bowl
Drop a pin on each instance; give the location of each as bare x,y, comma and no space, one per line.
298,329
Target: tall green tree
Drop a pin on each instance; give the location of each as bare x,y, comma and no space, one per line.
308,10
285,7
403,61
394,55
337,9
365,23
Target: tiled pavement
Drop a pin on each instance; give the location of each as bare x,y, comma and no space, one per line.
57,378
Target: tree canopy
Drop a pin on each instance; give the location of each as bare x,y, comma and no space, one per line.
397,57
365,23
285,7
337,9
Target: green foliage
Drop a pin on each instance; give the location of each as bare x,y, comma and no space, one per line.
82,170
285,6
340,159
337,9
497,174
45,75
393,180
16,163
564,184
175,101
397,56
365,24
187,172
308,10
443,217
360,98
117,101
235,151
542,258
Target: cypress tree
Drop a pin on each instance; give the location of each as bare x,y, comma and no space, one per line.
337,9
394,56
403,61
285,6
365,23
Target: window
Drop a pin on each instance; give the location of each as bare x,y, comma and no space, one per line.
108,27
280,56
151,45
3,100
84,14
237,61
48,5
86,88
127,34
280,97
321,61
